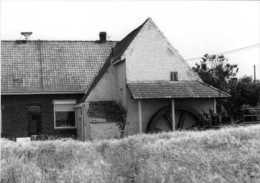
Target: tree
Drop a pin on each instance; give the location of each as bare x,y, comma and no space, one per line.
216,71
243,92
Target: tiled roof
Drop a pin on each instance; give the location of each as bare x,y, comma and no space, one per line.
51,66
174,89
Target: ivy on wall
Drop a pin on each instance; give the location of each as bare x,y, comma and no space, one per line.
111,111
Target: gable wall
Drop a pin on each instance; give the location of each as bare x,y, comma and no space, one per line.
105,89
112,86
151,57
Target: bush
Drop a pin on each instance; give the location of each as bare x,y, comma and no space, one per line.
226,155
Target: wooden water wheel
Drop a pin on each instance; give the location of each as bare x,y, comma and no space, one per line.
162,120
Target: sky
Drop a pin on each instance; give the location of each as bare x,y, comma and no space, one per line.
192,27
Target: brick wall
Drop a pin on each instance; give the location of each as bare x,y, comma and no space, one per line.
15,114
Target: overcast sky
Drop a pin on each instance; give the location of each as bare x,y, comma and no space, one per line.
192,27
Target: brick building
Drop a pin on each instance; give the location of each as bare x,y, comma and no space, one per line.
97,89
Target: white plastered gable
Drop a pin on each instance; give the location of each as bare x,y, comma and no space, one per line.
150,57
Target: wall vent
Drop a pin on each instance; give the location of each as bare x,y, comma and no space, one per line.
174,76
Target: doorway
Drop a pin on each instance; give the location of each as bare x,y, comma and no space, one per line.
34,120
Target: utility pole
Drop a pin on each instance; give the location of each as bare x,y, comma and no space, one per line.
254,74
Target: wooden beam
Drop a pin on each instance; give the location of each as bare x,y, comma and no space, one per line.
87,127
214,105
82,122
173,115
140,116
1,123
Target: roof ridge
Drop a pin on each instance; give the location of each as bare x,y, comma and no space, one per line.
159,81
34,40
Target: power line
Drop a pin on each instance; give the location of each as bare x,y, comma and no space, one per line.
228,51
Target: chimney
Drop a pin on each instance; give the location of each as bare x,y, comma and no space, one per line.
102,37
26,35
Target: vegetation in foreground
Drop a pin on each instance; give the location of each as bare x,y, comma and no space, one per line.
225,155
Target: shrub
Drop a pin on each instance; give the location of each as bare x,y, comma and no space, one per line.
225,155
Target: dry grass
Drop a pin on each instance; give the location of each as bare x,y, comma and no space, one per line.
226,155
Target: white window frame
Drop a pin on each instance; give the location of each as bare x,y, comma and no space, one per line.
55,102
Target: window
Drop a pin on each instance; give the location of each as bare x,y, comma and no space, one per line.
174,76
64,114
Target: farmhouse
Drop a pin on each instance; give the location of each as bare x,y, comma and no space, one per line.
100,89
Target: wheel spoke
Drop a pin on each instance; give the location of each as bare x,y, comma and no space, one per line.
180,122
166,117
162,120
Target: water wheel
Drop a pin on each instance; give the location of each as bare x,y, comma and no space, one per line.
162,120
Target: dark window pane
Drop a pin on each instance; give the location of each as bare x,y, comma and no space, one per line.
65,119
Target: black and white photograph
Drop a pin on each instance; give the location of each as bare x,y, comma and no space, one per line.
127,91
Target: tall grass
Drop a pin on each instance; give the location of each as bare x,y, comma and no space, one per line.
226,155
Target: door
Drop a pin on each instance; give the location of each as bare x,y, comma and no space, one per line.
82,122
79,122
34,120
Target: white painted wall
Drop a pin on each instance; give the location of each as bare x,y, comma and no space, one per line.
151,57
105,89
120,84
112,86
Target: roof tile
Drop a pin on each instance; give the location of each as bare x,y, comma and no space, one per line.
51,66
174,89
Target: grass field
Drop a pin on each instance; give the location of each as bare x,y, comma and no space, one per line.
229,155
